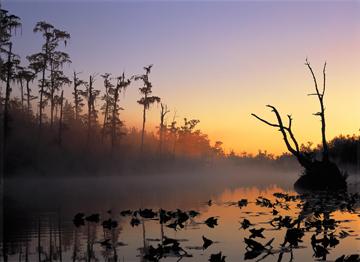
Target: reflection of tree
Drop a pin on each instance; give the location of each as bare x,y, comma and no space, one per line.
111,236
316,212
315,215
314,221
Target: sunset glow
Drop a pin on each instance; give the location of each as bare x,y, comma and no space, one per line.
217,61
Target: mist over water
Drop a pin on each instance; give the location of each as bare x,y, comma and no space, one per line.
45,207
180,189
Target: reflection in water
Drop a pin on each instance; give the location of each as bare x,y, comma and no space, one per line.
238,223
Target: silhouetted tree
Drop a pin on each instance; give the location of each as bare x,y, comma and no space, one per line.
57,78
218,150
40,61
8,24
90,95
185,137
322,173
116,123
320,95
29,77
20,80
173,130
162,127
10,74
77,93
146,100
189,125
107,99
345,149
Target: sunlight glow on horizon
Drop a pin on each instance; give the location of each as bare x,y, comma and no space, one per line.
217,61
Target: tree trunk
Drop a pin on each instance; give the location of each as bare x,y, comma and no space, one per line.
76,98
89,110
320,96
143,129
43,83
113,120
52,106
7,94
28,97
105,115
1,104
161,134
323,126
61,117
6,110
52,93
22,94
41,95
163,113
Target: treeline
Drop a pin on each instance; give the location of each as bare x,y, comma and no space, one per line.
43,130
343,150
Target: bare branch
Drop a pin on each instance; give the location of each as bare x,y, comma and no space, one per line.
285,132
290,120
292,135
282,129
313,75
266,122
324,75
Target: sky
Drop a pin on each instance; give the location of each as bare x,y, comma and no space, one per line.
216,61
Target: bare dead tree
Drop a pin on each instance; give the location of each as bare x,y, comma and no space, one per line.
320,174
320,95
162,127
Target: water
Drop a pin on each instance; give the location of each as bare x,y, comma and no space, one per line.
40,212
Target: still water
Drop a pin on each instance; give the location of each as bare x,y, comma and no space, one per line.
38,218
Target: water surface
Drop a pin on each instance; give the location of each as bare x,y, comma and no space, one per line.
40,212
